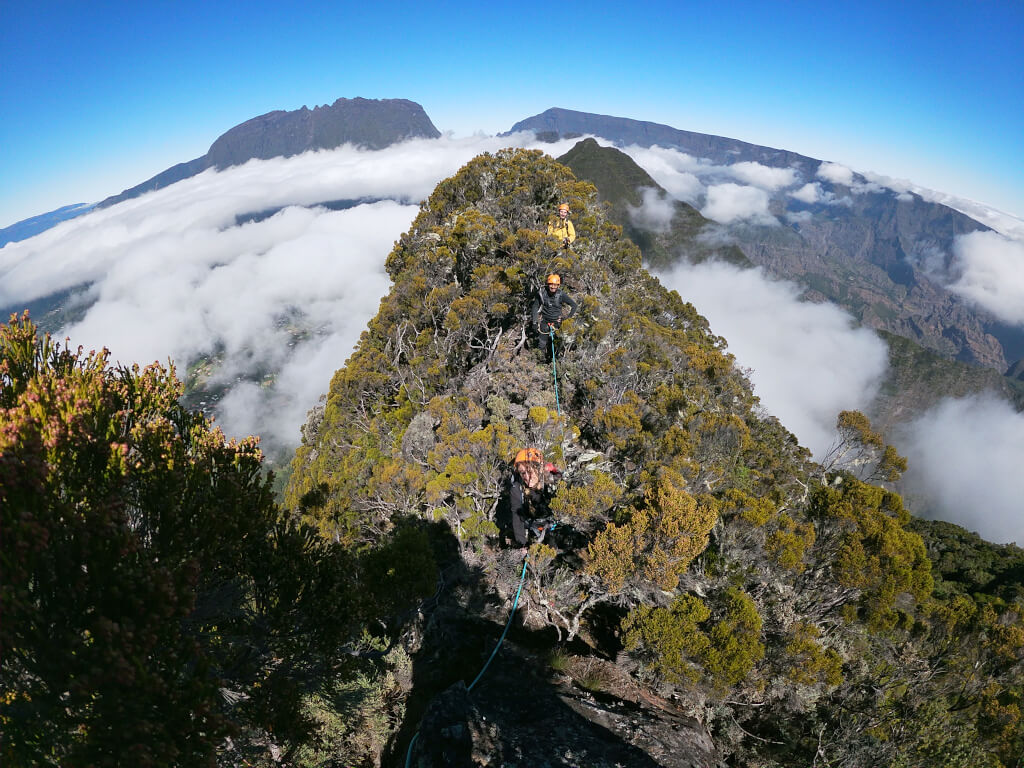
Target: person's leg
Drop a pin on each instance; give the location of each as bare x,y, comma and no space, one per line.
519,532
555,342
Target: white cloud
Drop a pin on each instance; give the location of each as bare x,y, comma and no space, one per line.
965,456
169,220
809,193
764,176
991,271
808,361
174,276
1004,223
655,212
728,203
840,174
812,193
677,172
250,294
836,173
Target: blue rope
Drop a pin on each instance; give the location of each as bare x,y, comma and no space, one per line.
507,625
408,755
554,367
515,604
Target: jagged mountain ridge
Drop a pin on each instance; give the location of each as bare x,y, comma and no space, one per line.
917,378
623,184
702,559
869,254
371,123
455,392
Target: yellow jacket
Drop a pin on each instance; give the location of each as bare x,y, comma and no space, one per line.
562,229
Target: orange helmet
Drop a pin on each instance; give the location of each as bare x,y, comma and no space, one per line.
529,456
554,279
564,207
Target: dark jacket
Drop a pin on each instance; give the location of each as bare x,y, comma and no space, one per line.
526,505
549,306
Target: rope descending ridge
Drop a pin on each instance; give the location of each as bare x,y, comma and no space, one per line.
515,604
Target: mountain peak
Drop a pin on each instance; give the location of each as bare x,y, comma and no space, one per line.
370,123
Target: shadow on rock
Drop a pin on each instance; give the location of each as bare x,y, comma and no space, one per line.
519,712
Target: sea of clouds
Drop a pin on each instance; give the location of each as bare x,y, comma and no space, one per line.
809,361
172,275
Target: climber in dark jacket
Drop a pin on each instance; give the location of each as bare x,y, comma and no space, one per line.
547,309
530,492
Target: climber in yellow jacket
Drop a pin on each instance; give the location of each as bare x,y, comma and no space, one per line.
562,227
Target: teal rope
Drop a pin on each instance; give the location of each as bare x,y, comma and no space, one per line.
515,604
408,755
507,625
554,367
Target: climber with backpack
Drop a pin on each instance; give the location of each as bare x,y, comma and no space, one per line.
546,311
561,227
531,489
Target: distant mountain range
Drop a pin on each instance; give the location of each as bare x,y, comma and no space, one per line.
918,377
866,255
566,123
26,228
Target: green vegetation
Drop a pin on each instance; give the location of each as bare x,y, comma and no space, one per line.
795,609
621,184
155,600
747,573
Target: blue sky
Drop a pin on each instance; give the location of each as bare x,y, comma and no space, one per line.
98,97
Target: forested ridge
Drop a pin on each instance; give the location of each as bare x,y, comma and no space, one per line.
159,608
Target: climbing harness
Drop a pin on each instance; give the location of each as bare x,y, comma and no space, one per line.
515,604
554,366
540,528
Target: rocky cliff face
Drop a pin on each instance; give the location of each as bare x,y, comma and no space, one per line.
371,123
